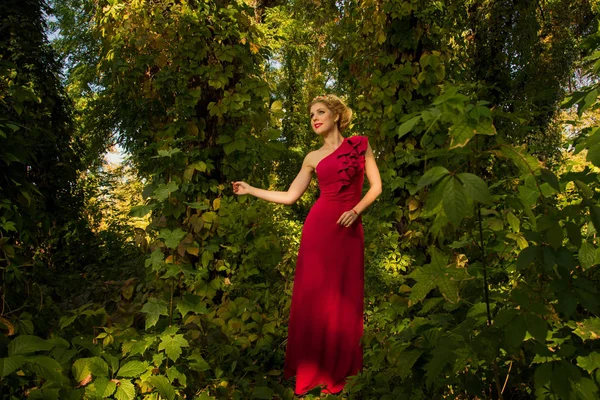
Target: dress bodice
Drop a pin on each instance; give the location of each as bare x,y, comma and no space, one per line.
341,173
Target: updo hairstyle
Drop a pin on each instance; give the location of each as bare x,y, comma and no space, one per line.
337,107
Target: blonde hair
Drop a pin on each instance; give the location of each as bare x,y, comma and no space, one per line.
337,107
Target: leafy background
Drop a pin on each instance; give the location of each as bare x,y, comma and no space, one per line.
150,279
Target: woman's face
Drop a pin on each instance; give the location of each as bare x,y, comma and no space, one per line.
322,119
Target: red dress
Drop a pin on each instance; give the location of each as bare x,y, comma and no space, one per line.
326,317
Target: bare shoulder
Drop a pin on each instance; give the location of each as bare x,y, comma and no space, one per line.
310,160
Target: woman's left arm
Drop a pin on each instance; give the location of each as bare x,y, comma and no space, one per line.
348,217
374,180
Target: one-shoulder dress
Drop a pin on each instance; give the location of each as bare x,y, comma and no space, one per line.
326,316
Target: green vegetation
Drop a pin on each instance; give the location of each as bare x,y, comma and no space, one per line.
152,280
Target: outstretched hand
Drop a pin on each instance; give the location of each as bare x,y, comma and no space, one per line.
347,218
240,187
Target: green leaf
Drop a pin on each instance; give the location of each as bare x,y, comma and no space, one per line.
433,201
409,358
526,257
514,332
554,235
595,216
526,163
162,386
549,177
460,135
567,303
163,191
587,255
585,190
485,127
65,321
172,238
155,261
174,374
133,369
125,390
505,316
560,380
277,105
407,126
589,329
141,211
154,308
167,153
262,392
543,374
590,362
528,195
198,206
9,365
44,394
45,367
431,176
172,345
574,234
86,366
26,344
441,357
476,188
537,327
585,389
191,303
455,201
198,363
101,387
593,155
513,221
437,274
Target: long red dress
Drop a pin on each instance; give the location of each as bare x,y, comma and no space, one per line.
326,317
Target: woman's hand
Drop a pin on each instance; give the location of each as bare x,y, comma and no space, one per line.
241,187
347,218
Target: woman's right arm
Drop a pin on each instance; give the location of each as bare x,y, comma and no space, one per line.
296,190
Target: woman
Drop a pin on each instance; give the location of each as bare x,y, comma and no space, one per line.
326,317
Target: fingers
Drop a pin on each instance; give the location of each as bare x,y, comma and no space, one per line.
236,186
347,219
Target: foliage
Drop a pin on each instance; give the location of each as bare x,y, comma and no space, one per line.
482,256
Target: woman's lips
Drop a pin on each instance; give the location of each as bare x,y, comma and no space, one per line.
318,125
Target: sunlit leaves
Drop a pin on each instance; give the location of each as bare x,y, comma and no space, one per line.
125,390
94,366
132,369
588,329
590,362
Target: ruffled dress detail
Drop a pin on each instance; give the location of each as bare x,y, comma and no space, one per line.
326,316
351,160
